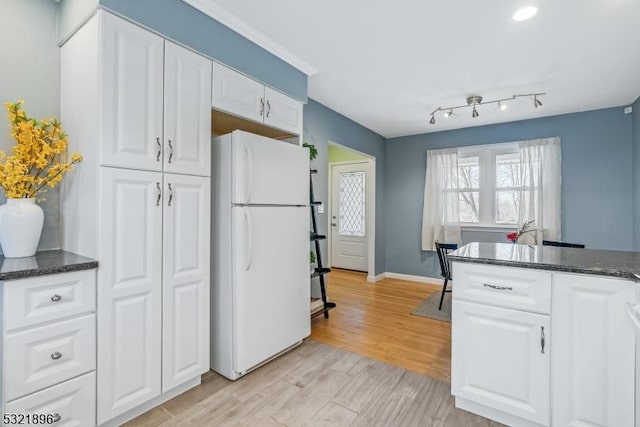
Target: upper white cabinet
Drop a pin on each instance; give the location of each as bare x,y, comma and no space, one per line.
237,94
501,359
131,68
155,102
594,352
187,112
242,96
282,112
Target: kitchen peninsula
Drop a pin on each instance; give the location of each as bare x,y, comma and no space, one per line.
544,335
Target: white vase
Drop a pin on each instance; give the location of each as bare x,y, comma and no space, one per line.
21,222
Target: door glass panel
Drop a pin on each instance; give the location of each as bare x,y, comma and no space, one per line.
352,203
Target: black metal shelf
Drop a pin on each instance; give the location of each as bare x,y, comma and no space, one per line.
320,271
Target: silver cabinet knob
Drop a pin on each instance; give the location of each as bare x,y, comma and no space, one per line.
56,355
333,224
56,298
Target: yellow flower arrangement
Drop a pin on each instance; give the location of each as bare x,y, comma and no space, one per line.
38,157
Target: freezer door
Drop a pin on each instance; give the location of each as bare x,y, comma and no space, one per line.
268,172
271,288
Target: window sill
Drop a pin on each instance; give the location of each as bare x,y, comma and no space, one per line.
489,228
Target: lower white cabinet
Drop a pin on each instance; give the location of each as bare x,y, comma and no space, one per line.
594,352
41,357
185,302
501,359
129,291
70,404
576,367
48,350
153,294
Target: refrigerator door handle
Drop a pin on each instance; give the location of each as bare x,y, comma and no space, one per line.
249,240
248,176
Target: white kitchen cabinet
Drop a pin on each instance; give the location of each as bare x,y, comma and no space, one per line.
41,357
48,298
501,359
185,343
48,347
129,291
594,352
282,112
71,404
152,299
131,69
587,374
242,96
237,94
187,115
155,102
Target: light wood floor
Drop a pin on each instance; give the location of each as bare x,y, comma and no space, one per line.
315,385
374,320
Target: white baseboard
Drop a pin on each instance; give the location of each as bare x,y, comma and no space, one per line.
377,278
407,277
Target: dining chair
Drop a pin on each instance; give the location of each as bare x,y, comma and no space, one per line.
562,244
445,266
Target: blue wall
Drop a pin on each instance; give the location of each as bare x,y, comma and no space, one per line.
181,22
636,172
322,125
597,186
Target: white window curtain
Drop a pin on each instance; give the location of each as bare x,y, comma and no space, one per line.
541,179
440,213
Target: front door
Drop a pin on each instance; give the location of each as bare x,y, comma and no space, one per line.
349,234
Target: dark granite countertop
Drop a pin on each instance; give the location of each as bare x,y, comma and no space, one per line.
620,264
44,262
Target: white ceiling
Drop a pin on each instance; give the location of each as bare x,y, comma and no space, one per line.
388,64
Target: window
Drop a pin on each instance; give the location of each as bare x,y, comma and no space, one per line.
352,204
497,185
489,185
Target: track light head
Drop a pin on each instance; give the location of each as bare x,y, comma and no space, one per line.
433,120
448,113
536,102
475,112
502,106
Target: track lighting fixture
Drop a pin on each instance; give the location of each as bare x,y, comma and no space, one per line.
475,100
536,102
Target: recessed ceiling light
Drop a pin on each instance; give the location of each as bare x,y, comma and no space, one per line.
524,13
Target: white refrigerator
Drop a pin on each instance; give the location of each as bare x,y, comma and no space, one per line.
260,287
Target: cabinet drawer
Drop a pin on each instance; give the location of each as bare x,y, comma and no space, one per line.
518,288
72,403
42,299
47,355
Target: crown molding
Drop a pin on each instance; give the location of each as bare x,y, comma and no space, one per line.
213,10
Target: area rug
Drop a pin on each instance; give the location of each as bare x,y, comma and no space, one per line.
429,307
